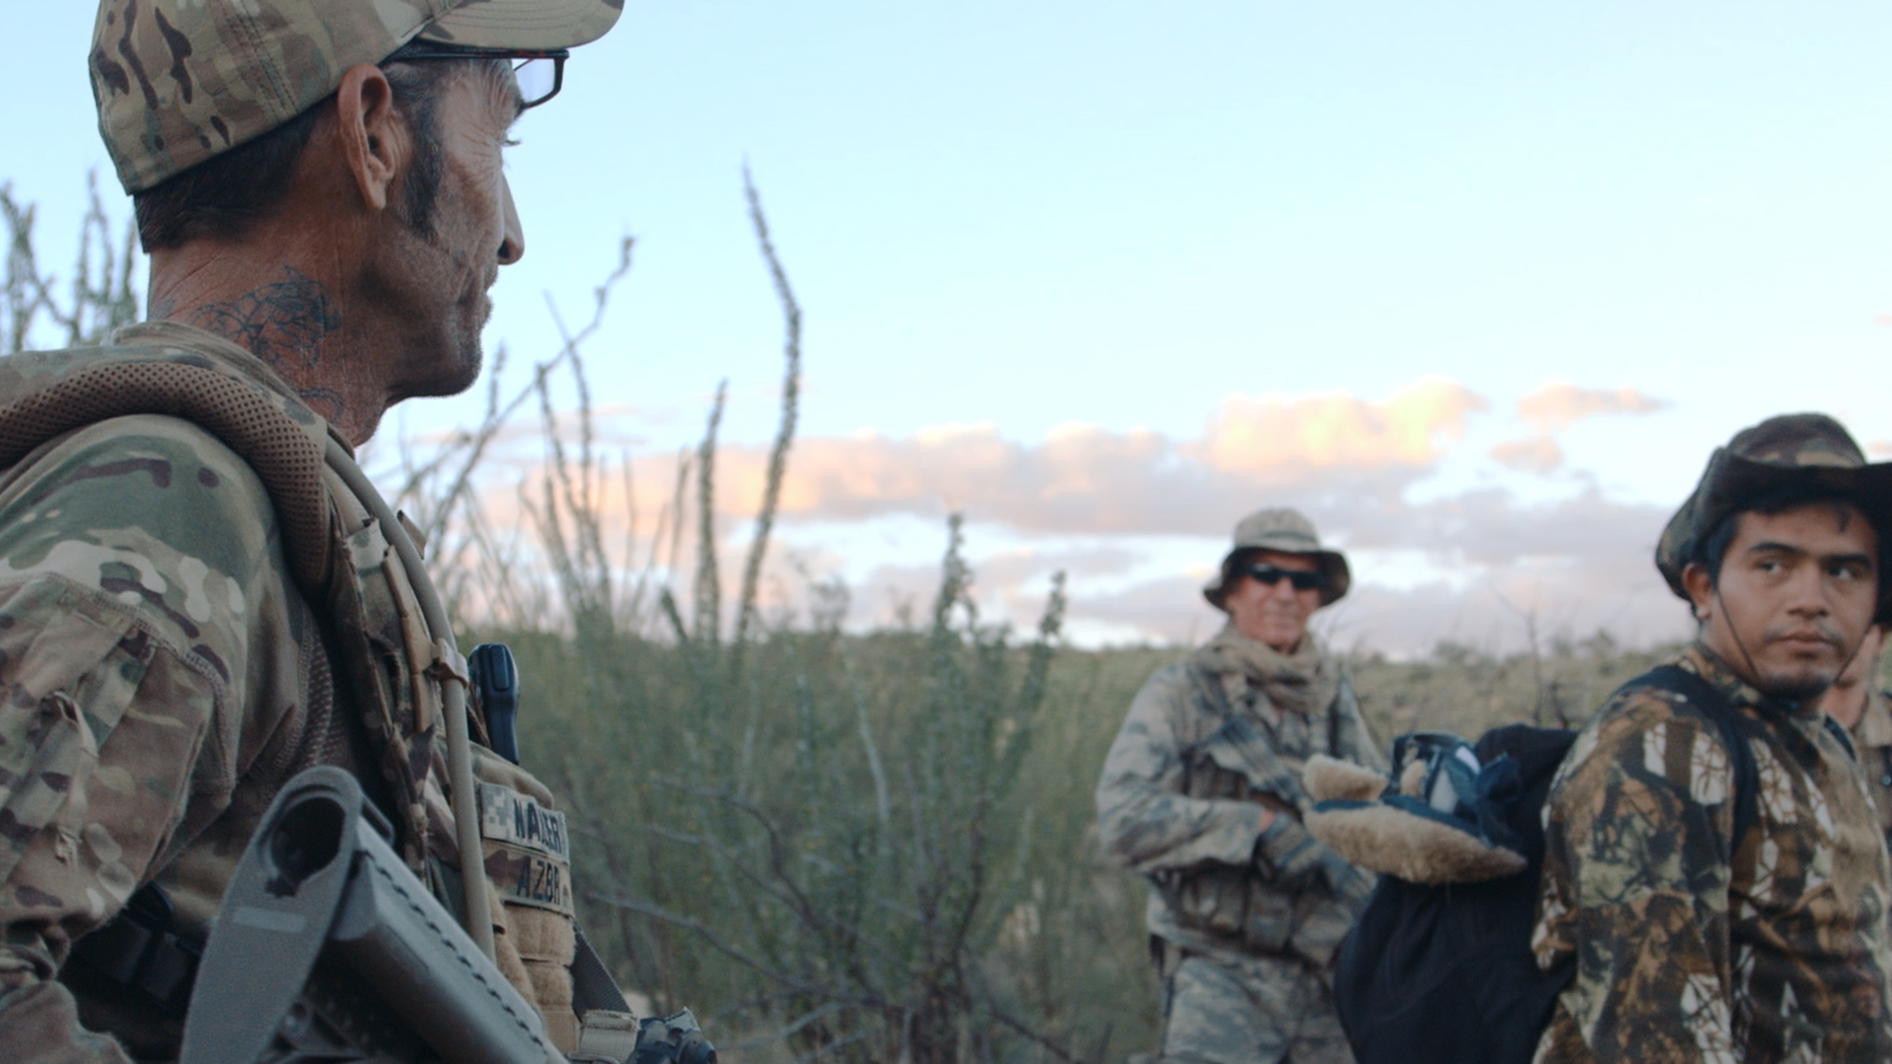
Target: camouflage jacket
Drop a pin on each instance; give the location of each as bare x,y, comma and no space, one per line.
1180,801
164,674
1691,945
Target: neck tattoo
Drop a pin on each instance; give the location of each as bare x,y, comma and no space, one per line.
283,323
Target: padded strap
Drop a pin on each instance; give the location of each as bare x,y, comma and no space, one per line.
248,420
1736,728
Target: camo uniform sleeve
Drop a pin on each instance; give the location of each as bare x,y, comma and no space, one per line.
1636,878
1143,818
136,558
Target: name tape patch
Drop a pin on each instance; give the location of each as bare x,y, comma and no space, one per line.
509,817
533,879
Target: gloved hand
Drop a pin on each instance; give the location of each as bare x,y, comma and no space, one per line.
672,1040
1286,848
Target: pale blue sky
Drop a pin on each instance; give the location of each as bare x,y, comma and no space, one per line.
1120,214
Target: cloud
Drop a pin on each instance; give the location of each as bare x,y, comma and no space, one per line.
1557,405
1137,517
1533,454
1278,434
1083,479
1571,567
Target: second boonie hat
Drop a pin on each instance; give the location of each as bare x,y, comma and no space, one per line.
180,81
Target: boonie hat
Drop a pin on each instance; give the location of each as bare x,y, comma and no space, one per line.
180,81
1781,452
1287,531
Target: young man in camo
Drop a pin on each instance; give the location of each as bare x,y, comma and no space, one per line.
1690,944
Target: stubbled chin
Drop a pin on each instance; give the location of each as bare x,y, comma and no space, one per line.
1799,683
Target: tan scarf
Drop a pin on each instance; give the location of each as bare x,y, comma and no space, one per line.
1303,682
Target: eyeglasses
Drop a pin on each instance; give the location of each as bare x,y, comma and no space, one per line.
539,75
1302,581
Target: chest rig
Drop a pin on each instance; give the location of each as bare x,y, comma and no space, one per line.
1225,755
397,669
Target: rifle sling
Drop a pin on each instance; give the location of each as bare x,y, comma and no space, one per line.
592,985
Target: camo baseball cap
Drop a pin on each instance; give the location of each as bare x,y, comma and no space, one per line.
1781,452
1289,532
180,81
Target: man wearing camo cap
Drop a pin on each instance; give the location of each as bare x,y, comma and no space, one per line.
1201,794
198,596
1690,939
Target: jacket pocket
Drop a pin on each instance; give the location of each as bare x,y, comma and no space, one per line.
1270,922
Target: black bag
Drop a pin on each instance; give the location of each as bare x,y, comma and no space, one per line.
1437,974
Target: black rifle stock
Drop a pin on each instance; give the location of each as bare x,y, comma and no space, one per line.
327,948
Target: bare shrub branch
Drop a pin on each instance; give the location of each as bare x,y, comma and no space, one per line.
785,431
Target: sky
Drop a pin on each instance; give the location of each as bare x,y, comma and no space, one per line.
1476,285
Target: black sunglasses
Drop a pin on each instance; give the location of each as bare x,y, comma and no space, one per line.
1302,581
539,75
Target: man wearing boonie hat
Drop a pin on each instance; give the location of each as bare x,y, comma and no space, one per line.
1201,794
200,596
1691,944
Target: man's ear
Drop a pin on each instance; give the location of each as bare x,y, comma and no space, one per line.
1701,590
374,138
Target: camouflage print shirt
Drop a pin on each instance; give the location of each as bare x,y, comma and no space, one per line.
1693,946
161,678
1181,804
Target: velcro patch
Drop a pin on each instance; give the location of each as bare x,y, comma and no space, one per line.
506,816
524,878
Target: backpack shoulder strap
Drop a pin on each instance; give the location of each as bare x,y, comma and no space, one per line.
1735,727
281,440
353,582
